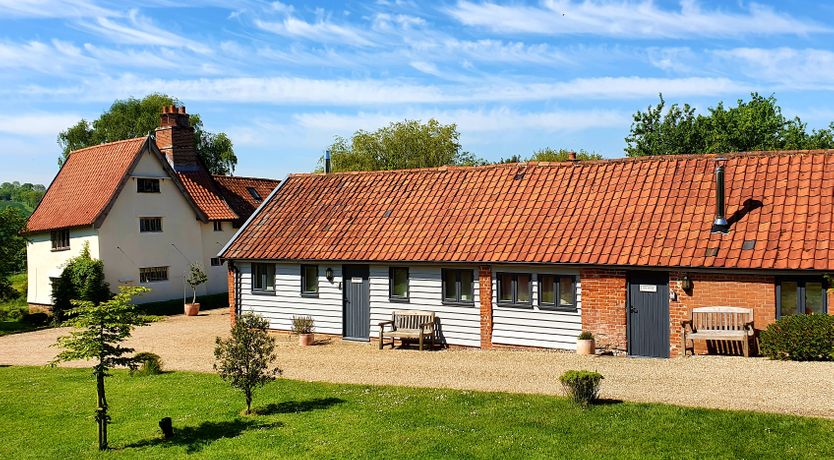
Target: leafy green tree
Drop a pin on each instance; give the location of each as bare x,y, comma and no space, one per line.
23,196
401,145
99,330
245,358
196,277
757,124
549,154
81,279
12,249
129,118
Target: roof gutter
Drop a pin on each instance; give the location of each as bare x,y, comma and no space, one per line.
252,217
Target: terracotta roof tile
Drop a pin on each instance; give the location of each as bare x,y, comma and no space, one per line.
648,212
236,191
85,186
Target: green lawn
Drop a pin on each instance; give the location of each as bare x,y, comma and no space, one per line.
46,413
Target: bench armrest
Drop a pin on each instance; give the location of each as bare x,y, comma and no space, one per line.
382,325
687,325
748,326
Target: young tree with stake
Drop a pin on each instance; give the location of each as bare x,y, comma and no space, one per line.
244,358
99,332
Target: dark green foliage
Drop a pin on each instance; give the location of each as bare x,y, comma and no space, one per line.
149,364
99,328
36,319
245,358
757,124
196,277
586,335
401,145
12,250
302,325
548,154
129,118
24,197
800,338
582,387
81,279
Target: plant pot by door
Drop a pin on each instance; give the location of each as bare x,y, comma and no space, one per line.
585,347
305,340
191,309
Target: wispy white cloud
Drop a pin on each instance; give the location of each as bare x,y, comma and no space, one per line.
139,30
792,68
53,9
345,92
36,124
322,30
630,19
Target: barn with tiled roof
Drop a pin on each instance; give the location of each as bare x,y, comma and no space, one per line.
531,254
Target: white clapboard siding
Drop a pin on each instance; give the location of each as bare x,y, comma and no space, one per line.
535,327
459,325
279,309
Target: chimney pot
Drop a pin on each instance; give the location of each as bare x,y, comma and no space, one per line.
572,155
182,110
720,225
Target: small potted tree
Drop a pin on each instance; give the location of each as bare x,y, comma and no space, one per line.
303,326
196,277
585,344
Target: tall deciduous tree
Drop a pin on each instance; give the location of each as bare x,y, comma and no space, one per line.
757,124
245,358
12,249
99,330
400,145
129,118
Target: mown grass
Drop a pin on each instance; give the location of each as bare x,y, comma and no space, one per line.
47,413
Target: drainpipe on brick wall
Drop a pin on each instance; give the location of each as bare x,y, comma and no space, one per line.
485,292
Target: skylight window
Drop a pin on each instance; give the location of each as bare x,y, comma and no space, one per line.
254,193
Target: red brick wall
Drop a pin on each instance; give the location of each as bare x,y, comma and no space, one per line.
604,307
719,290
485,292
232,291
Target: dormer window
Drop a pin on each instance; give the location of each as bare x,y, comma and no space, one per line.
60,240
144,185
254,193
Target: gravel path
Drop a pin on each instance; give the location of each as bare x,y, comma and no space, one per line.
708,381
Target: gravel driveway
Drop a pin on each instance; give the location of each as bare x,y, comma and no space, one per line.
187,343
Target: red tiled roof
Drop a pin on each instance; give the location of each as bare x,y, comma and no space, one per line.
85,186
201,187
235,190
654,211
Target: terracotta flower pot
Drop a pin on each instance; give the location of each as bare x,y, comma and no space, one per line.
585,347
191,309
305,340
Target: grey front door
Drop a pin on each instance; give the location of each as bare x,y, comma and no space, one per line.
648,314
356,311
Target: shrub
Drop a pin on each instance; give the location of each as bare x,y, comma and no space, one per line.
582,387
800,338
81,279
149,364
303,325
36,319
586,335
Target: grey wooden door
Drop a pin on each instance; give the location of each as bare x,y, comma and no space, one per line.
356,313
648,314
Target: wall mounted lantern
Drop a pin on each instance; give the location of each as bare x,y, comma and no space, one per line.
329,274
686,283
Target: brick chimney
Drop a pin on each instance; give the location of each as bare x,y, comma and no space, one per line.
175,139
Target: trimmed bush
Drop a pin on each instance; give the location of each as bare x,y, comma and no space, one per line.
800,338
149,364
582,387
586,335
302,325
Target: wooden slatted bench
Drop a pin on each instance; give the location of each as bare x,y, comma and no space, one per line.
408,324
718,323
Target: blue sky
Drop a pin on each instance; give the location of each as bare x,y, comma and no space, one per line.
283,78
